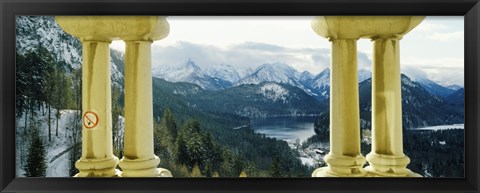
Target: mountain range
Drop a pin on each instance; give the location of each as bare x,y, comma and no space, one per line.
226,76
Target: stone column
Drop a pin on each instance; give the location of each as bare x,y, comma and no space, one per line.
97,149
97,156
344,158
96,33
139,159
387,157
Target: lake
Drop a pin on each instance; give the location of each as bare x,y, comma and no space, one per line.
285,128
442,127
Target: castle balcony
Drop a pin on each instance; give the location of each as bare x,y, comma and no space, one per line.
344,159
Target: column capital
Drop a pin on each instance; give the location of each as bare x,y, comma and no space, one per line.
108,28
372,27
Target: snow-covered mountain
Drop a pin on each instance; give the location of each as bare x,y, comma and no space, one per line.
33,32
224,76
320,85
273,72
364,74
416,100
454,87
432,87
306,76
224,72
189,71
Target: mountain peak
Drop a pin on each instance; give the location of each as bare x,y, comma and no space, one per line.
455,87
432,87
276,65
273,72
189,63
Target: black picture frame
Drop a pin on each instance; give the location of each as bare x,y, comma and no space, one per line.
470,9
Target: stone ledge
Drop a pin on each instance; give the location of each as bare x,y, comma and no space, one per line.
108,28
355,27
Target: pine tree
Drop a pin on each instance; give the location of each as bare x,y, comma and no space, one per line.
166,134
62,96
74,155
51,86
35,165
276,169
20,85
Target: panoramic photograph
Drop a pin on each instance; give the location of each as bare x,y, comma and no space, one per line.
240,96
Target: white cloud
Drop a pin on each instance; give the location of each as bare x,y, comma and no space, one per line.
118,45
443,62
448,36
248,55
445,71
429,27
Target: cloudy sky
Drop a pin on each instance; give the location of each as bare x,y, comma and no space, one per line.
435,47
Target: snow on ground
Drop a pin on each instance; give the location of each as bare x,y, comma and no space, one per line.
441,127
58,167
274,92
308,161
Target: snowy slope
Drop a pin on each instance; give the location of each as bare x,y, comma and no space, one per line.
432,87
35,31
223,71
274,92
57,150
454,87
364,75
305,76
55,167
320,84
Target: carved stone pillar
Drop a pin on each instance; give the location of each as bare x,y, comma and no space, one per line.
387,157
344,158
97,156
139,159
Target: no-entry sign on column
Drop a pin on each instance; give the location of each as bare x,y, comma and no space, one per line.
90,120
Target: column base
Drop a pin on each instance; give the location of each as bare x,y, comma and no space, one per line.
342,166
389,166
374,173
143,168
328,172
160,172
97,168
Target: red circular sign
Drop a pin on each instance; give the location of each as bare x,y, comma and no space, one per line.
90,119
